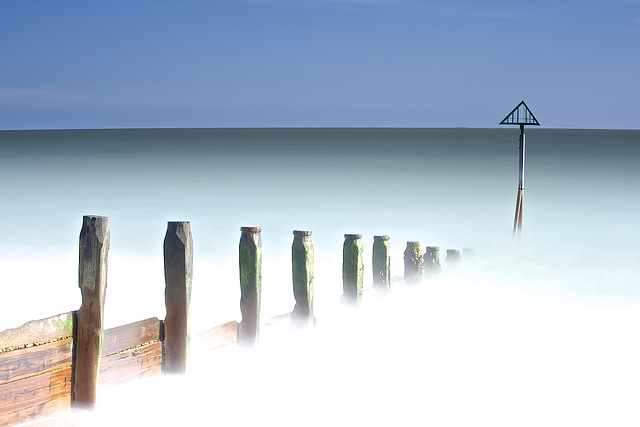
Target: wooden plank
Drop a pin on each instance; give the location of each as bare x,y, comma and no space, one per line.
22,394
36,331
131,364
29,361
36,412
279,319
219,336
131,335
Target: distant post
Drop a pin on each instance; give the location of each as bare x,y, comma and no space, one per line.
453,256
92,279
413,263
381,264
352,269
521,115
432,263
178,275
250,263
302,271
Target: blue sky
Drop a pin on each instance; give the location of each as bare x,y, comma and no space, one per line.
223,63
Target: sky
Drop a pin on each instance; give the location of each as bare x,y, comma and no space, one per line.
308,63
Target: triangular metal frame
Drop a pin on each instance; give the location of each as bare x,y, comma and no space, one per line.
515,118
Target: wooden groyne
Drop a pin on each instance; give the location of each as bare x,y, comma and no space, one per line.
61,362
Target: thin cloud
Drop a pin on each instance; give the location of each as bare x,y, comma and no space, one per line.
10,95
33,97
461,8
358,1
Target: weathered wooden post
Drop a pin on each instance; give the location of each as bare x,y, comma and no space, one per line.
432,263
250,262
352,269
381,264
302,271
92,279
178,275
413,263
453,256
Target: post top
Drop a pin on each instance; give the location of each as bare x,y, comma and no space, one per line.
353,236
301,233
413,243
383,237
86,219
251,229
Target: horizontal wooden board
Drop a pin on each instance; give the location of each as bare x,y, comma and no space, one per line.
279,319
36,412
22,394
29,361
131,335
218,336
131,364
37,331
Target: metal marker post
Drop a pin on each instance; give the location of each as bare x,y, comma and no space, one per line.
521,115
517,220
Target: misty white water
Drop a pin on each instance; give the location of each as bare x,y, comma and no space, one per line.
540,331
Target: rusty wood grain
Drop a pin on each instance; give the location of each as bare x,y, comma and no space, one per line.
27,362
22,394
131,364
131,335
36,412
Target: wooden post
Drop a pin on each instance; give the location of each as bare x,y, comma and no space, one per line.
178,275
453,256
432,263
413,263
92,279
352,269
302,271
250,262
381,264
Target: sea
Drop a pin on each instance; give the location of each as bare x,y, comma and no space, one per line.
535,330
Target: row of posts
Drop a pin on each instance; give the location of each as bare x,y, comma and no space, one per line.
416,265
89,319
178,266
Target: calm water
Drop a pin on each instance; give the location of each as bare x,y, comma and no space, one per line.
535,332
449,187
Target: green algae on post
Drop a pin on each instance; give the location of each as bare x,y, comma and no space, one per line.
352,269
381,264
432,263
302,272
250,263
413,263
